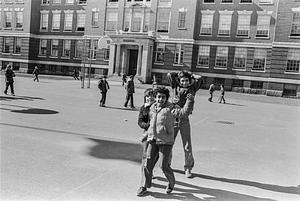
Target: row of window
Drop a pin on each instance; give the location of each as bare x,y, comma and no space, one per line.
12,1
241,1
221,59
68,20
11,18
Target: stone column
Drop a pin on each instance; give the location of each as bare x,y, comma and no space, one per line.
118,66
139,61
123,61
112,59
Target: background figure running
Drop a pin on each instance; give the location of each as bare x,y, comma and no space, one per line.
184,83
129,91
161,137
9,79
36,74
104,87
222,91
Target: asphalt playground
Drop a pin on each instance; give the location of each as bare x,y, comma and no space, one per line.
57,144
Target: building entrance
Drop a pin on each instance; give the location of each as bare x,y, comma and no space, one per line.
133,58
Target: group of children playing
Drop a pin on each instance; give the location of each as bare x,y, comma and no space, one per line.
161,121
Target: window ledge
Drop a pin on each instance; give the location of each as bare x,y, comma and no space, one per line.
239,69
199,66
292,73
161,64
179,65
7,28
42,56
266,4
294,37
258,71
68,31
182,28
243,36
77,58
263,38
64,57
53,57
96,26
205,35
220,68
18,29
220,35
6,53
16,54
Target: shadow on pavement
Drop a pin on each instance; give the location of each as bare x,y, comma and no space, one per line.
107,149
29,98
206,194
35,111
123,108
270,187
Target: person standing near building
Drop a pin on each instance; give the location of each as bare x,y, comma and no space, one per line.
76,74
211,92
222,91
9,79
129,91
104,87
36,74
123,79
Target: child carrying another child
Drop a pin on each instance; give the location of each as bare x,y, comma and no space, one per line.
160,136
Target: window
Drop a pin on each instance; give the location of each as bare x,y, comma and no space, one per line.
221,57
8,1
127,19
56,1
203,55
224,24
7,19
7,42
227,1
17,45
256,85
44,21
179,52
159,53
95,18
240,58
55,21
295,30
146,21
0,18
43,47
69,1
243,27
82,2
163,20
67,48
106,53
54,48
136,20
208,1
259,59
246,1
181,18
111,20
80,20
237,83
19,19
79,45
293,61
206,24
45,2
263,26
68,21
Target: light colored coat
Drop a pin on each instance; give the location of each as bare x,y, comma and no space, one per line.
162,121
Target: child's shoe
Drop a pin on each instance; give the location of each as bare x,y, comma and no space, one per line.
188,173
169,189
141,191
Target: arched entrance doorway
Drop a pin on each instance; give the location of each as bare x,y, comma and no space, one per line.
133,60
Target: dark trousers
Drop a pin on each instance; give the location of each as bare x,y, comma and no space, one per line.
162,151
129,97
11,85
211,96
222,99
36,77
103,98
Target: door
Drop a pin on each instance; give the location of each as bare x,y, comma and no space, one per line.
133,57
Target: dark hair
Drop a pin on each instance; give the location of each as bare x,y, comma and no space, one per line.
162,90
185,74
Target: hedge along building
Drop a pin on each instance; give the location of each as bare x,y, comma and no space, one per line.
249,45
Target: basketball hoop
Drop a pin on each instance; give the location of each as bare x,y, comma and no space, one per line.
104,42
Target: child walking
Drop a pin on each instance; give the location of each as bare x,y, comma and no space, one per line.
222,91
185,83
104,87
160,137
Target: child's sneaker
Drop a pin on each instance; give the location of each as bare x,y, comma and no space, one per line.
141,191
188,173
169,189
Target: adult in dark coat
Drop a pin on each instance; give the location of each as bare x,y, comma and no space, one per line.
9,79
36,74
130,91
104,87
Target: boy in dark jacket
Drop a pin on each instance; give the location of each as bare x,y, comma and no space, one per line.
9,79
104,87
184,83
36,74
130,91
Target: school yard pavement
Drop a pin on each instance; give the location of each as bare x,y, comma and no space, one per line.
57,144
